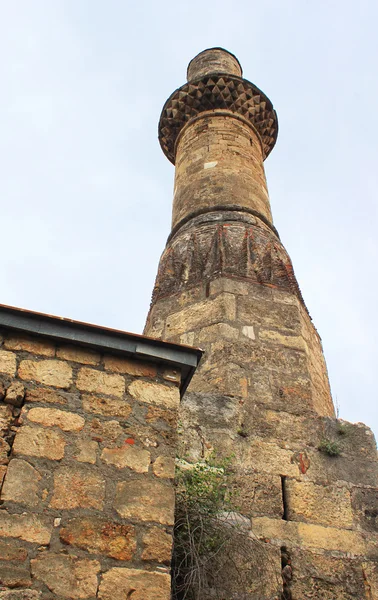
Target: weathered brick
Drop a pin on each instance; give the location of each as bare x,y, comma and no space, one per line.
155,393
145,500
157,545
53,417
21,483
164,466
37,441
100,536
130,456
7,362
78,487
129,367
110,407
49,372
86,451
80,355
28,527
32,345
90,380
119,583
67,576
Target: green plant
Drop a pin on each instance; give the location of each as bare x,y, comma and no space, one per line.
329,447
214,554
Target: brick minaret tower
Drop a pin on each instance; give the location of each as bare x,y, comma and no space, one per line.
226,283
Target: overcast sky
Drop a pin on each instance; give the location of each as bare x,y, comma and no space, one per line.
86,192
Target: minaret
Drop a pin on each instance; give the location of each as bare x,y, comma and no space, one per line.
226,283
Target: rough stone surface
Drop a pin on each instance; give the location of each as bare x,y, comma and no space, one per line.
157,545
119,583
154,393
36,441
90,380
7,362
46,396
145,500
130,456
9,550
15,577
164,466
325,505
31,528
53,417
129,366
15,394
21,483
20,595
110,407
100,536
67,576
32,345
77,354
86,451
78,488
48,372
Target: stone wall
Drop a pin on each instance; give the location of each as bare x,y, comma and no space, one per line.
87,460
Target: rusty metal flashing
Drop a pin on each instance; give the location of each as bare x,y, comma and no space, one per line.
115,341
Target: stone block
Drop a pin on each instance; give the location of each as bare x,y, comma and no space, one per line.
8,363
86,451
109,407
37,441
145,500
164,466
202,314
155,393
9,550
67,576
157,545
119,583
370,573
15,577
53,417
128,366
129,456
328,505
231,286
257,494
309,536
21,483
30,528
28,344
109,432
20,595
49,372
100,536
6,419
269,315
79,355
15,394
215,332
289,341
317,575
78,487
365,507
90,380
47,396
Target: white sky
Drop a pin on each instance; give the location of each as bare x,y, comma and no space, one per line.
86,192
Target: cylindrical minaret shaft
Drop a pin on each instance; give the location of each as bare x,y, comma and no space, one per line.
261,393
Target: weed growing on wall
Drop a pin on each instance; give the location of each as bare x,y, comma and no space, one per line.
215,555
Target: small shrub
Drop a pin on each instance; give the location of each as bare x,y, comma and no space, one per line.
329,447
214,552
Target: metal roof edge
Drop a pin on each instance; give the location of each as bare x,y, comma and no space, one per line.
186,358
